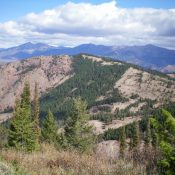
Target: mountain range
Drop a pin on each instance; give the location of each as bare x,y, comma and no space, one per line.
149,56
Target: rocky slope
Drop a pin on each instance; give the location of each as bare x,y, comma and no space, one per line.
48,72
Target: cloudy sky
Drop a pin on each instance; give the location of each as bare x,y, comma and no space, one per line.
70,23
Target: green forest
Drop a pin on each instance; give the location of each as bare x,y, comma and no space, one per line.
91,80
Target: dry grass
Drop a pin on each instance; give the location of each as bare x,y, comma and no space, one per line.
49,161
5,169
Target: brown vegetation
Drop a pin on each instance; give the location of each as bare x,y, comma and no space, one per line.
51,161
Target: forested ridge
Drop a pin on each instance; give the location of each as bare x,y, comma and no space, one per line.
90,81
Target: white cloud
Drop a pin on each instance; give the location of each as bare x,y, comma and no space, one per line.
72,24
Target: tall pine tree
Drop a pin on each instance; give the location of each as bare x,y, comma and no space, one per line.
49,129
26,98
135,139
36,118
147,138
3,136
78,132
154,138
122,139
21,132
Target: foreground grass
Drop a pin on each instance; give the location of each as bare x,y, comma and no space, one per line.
50,161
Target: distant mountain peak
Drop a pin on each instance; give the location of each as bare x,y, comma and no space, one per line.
26,44
30,45
149,56
153,46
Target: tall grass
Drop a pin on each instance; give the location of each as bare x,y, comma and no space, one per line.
50,161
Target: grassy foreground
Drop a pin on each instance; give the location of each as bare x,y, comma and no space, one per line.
51,161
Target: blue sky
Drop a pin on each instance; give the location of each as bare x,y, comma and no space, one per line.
12,9
70,23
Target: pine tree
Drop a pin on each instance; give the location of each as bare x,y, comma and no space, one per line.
148,134
77,131
21,132
25,96
3,136
122,139
135,135
36,113
12,129
50,129
165,132
154,138
26,99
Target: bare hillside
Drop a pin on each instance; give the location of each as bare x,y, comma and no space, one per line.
47,71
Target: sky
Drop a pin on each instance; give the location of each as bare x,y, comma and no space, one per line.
70,23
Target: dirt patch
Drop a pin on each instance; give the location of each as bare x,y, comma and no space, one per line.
119,123
98,126
101,127
5,116
122,105
104,63
109,148
137,108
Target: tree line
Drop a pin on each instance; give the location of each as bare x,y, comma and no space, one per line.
156,145
26,131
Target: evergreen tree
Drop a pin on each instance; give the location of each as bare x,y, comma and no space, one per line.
21,132
36,112
165,130
77,131
3,136
148,134
50,129
25,96
122,139
135,140
26,99
154,138
12,128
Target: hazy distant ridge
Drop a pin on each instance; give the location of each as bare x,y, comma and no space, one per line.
147,56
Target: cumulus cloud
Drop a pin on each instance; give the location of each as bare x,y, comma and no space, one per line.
76,23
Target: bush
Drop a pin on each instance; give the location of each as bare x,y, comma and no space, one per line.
3,136
5,170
